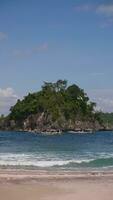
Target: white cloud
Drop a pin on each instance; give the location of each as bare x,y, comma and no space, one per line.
103,98
8,98
3,36
29,52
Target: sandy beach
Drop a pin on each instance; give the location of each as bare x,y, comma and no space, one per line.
28,185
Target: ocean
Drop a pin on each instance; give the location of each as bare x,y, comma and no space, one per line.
68,151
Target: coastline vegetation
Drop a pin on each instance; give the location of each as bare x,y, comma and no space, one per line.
56,99
57,106
107,119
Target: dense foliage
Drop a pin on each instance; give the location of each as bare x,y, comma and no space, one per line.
57,99
107,118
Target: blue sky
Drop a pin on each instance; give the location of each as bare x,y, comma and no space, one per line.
46,40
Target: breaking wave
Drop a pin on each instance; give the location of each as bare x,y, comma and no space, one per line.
17,160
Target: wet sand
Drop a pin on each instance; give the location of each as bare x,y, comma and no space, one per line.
21,185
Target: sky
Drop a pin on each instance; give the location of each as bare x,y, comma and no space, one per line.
47,40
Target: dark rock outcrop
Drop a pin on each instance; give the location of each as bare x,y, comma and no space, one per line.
41,122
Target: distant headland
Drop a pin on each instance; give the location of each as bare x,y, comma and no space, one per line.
57,107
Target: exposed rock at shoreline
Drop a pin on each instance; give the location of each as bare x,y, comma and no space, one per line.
43,123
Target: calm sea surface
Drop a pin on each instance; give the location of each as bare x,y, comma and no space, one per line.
63,152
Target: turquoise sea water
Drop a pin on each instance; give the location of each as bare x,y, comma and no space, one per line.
63,152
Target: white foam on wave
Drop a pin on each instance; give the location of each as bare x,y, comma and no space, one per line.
11,159
39,160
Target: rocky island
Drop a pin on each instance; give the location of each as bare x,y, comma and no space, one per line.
57,107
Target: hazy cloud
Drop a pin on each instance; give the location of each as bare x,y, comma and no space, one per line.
103,98
29,52
3,36
83,8
96,74
8,98
104,10
107,23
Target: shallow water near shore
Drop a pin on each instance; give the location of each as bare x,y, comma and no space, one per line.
68,151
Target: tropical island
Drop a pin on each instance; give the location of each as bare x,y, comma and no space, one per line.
57,107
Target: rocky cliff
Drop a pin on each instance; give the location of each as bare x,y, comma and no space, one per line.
42,122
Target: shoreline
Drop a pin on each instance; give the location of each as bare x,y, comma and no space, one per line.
16,185
60,132
8,175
